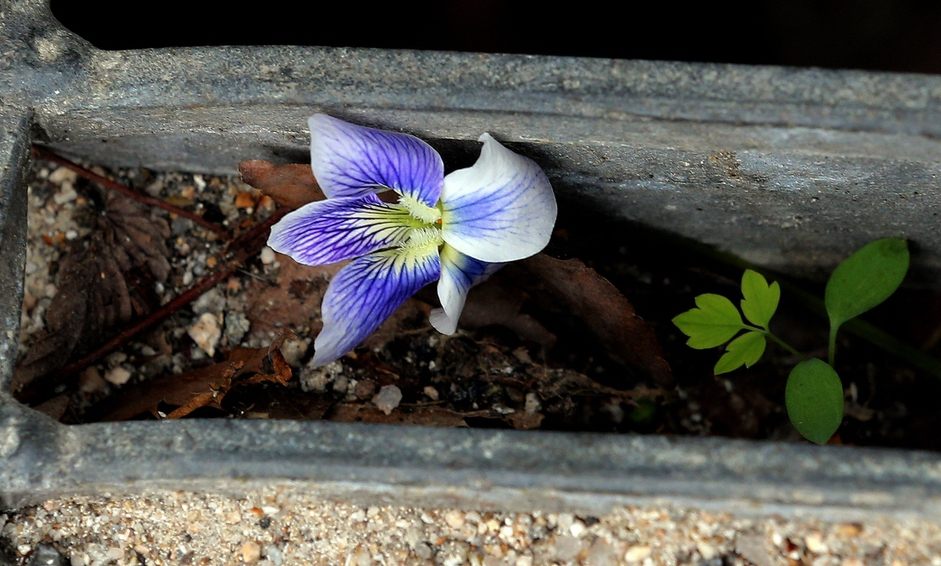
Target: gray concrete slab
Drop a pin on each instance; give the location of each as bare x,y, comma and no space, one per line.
789,168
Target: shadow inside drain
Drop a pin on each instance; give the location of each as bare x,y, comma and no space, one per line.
163,302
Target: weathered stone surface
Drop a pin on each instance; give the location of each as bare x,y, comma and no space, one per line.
789,168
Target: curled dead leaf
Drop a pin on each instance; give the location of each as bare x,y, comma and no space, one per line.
103,281
292,184
202,387
605,312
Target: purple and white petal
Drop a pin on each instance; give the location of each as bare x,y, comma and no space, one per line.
350,161
501,209
335,229
459,273
364,293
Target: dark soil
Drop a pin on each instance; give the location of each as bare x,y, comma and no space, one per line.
534,368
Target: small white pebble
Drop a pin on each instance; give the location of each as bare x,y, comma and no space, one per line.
564,521
567,548
199,182
154,188
387,399
251,552
577,529
637,553
430,392
63,175
71,235
454,519
506,533
66,194
293,349
532,403
707,551
206,333
118,375
267,255
815,543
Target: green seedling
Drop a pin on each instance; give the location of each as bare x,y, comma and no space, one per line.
814,392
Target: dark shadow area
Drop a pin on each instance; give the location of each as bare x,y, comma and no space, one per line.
863,34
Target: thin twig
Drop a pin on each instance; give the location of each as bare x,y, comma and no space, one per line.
242,248
111,185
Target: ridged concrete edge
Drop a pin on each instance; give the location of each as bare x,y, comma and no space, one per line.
636,137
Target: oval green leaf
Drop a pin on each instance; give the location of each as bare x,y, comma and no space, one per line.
865,279
814,400
745,350
760,300
713,323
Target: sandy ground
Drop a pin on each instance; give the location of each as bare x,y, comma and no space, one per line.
272,528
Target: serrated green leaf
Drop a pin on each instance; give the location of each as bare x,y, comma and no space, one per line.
865,279
713,323
760,299
814,400
745,350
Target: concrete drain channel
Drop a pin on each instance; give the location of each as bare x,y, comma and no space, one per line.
644,140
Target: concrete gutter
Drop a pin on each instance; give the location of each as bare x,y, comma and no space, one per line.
788,168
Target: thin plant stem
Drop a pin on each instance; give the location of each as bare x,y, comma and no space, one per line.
113,185
774,338
831,350
240,249
782,343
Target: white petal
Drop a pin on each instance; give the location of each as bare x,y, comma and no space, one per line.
459,273
501,209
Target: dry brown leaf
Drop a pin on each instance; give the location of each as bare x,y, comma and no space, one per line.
566,383
521,420
281,372
605,311
103,281
202,387
292,301
291,184
498,304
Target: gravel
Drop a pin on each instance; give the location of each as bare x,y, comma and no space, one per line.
276,527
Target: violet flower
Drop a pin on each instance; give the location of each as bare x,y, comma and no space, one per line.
456,229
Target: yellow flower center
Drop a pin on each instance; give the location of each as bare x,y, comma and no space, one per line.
419,210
